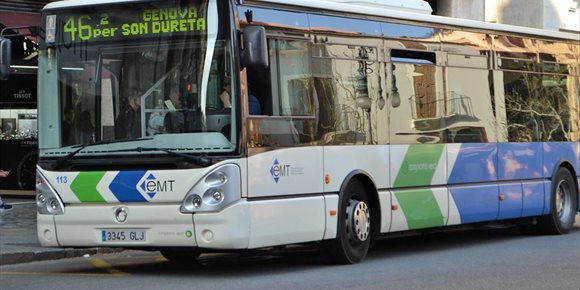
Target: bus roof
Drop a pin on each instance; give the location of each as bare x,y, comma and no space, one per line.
370,9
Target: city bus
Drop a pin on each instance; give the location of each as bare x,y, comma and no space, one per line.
372,122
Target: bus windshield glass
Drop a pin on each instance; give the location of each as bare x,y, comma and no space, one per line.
137,75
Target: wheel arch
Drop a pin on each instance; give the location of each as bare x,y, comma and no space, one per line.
373,194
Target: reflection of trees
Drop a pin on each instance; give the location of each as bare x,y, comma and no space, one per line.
353,115
538,108
346,117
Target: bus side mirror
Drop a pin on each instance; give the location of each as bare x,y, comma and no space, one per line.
5,58
255,52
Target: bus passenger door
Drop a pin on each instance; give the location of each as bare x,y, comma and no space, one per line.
285,180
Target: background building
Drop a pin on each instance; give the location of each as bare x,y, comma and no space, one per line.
558,15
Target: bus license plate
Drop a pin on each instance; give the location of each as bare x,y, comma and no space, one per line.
123,235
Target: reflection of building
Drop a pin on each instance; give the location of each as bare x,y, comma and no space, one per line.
18,127
421,89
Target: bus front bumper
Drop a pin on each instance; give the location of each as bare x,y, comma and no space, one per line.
145,226
242,225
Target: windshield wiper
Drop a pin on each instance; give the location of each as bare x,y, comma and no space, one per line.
61,161
201,161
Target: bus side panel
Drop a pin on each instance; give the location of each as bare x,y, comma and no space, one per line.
556,152
385,198
285,171
578,168
422,208
533,198
519,161
547,197
418,165
286,221
510,206
476,203
469,163
340,161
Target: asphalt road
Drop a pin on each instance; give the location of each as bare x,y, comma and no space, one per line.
491,258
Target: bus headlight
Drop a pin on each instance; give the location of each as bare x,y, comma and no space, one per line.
215,191
47,201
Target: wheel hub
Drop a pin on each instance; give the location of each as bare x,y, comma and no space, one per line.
562,196
358,221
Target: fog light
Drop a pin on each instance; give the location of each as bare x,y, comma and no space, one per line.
53,205
40,199
196,201
218,196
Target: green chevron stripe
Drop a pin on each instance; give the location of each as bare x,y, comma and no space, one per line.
420,208
419,165
85,186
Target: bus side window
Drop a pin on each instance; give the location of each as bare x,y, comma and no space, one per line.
259,86
292,108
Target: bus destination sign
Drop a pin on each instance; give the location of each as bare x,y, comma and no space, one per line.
115,25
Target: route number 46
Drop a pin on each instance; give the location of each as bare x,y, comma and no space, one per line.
84,27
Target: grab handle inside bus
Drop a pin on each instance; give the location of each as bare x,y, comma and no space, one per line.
5,58
255,50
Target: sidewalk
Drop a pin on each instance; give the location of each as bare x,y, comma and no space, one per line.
18,240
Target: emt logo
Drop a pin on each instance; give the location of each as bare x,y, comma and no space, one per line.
279,170
151,185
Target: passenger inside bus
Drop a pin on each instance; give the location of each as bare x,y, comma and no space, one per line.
225,96
128,123
87,129
155,122
254,105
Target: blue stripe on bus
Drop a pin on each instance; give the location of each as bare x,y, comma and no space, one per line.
124,186
476,203
475,163
518,161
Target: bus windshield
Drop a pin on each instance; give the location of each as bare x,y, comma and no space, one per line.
137,75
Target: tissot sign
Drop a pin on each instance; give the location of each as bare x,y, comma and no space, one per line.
19,88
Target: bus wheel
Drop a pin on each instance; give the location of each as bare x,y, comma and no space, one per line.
183,256
563,207
354,226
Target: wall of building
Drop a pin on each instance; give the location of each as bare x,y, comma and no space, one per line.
557,15
473,9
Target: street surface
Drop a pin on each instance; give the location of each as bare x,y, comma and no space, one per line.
490,258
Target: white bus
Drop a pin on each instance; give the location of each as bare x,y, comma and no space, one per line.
204,125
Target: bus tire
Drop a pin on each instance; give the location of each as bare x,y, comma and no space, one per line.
563,206
182,256
354,226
